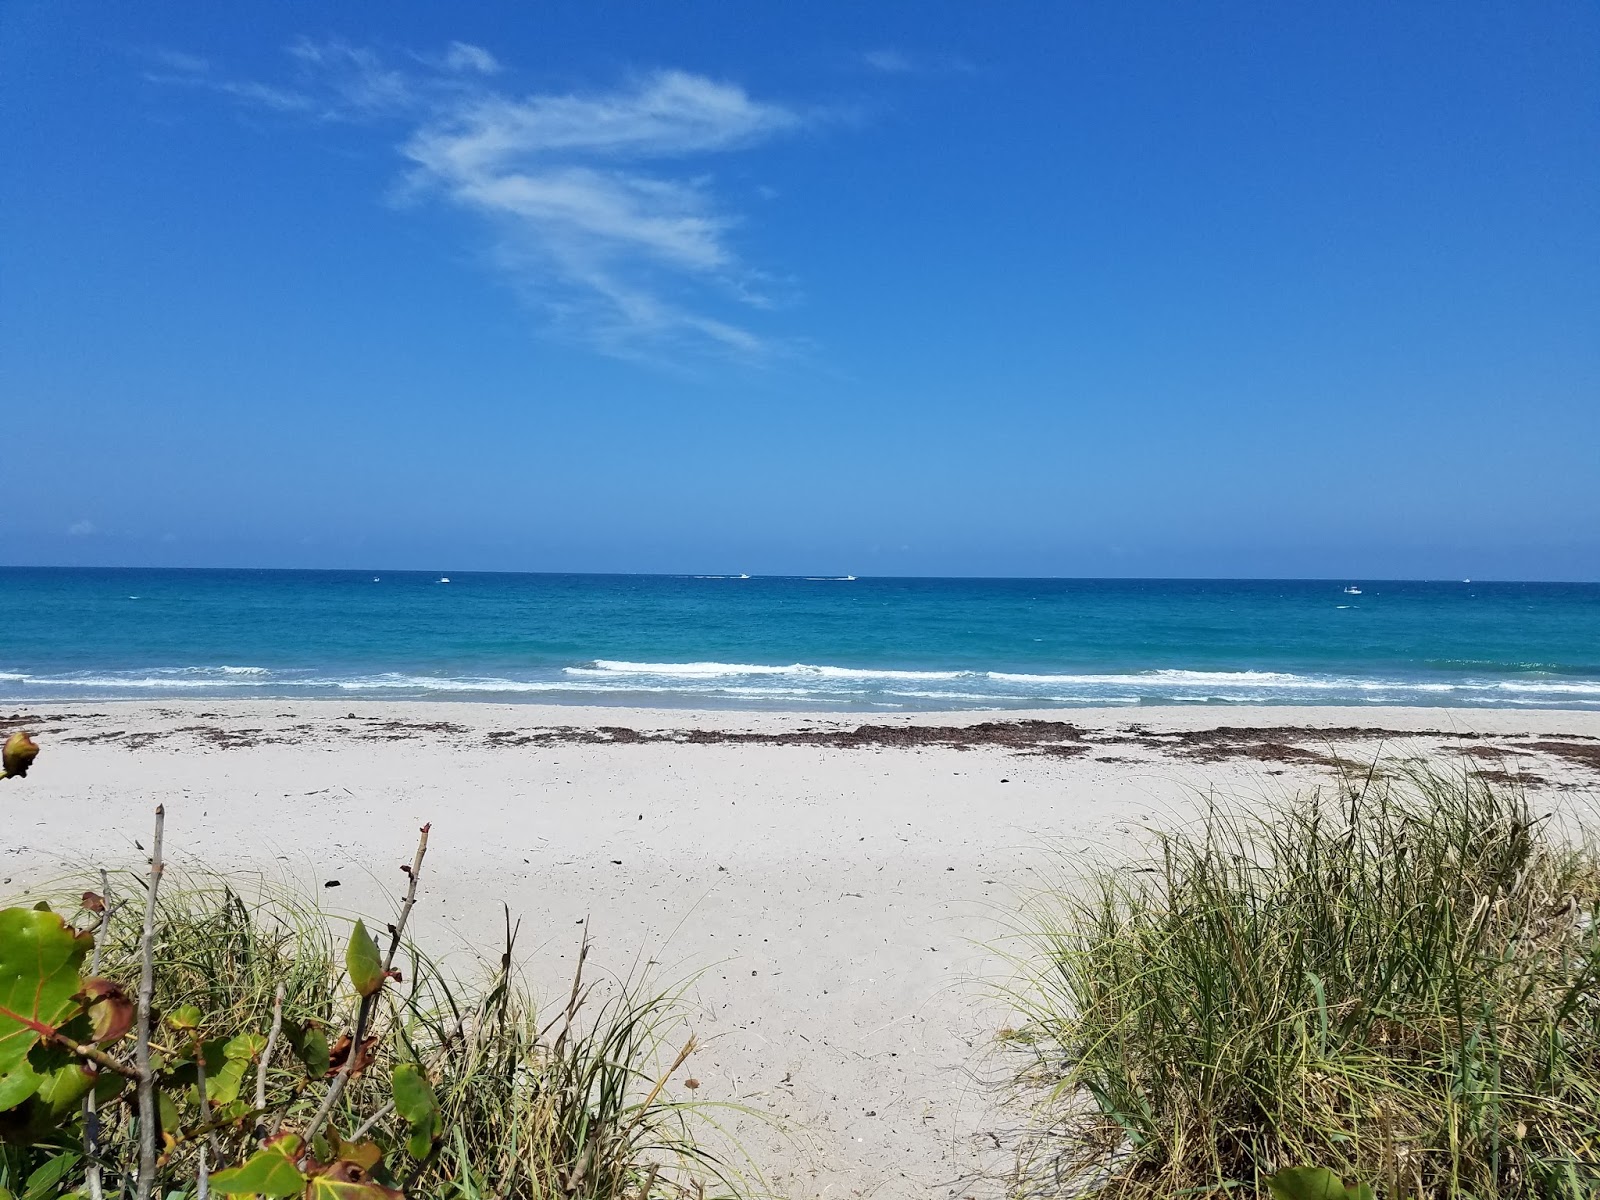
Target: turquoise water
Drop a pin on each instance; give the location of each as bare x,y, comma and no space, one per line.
870,644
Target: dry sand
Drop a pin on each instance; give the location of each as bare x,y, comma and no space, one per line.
836,892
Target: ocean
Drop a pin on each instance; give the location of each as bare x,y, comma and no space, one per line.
794,643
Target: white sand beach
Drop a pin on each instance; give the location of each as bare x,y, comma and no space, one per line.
834,893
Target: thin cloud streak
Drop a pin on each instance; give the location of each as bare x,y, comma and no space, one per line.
892,61
597,214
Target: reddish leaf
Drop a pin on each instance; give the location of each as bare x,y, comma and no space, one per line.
94,902
341,1051
347,1181
110,1009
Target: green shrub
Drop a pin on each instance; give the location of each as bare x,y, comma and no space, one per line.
1401,986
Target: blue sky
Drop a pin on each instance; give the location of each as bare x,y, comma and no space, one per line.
921,288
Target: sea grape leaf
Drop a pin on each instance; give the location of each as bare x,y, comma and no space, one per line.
167,1110
244,1046
40,957
61,1090
310,1047
226,1065
362,961
348,1181
365,1155
1314,1183
110,1009
223,1087
270,1171
185,1017
415,1102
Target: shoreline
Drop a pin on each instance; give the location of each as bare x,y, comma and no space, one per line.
836,885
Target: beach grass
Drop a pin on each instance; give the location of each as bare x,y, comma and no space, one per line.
585,1099
1397,980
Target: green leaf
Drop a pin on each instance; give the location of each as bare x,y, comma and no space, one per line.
270,1171
415,1102
167,1110
224,1080
310,1047
362,960
61,1090
1314,1183
43,1182
245,1046
40,958
185,1017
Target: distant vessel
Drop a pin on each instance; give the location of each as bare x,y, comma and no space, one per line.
444,579
1352,590
375,579
744,577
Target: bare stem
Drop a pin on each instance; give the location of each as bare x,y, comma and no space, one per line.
266,1056
365,1127
149,1117
203,1180
91,1108
368,1003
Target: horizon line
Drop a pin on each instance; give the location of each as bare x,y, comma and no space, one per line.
738,577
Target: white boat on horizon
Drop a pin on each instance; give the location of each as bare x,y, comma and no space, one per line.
444,579
1352,590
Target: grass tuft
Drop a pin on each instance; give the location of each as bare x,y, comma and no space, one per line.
1400,984
578,1104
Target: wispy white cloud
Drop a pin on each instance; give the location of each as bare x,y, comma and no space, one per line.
81,529
463,56
892,61
190,70
597,200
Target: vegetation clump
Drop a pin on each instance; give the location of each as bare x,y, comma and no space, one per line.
188,1042
1400,986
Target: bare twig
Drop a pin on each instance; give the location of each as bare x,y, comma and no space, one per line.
203,1179
149,1118
368,1003
266,1055
365,1127
91,1107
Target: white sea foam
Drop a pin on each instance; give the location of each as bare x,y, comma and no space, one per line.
710,670
811,684
1168,678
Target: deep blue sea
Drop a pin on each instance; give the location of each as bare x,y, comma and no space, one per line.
794,643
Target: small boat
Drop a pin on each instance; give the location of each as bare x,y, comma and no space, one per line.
741,577
375,579
444,579
1352,590
848,579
